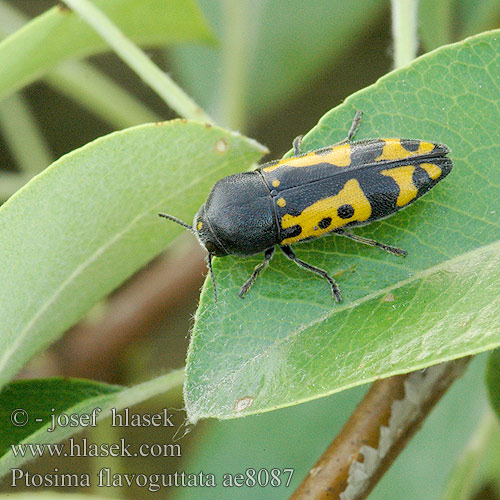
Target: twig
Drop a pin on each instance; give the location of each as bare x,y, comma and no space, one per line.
23,135
378,430
404,31
136,59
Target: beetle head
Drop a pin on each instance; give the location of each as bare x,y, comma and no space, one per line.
203,232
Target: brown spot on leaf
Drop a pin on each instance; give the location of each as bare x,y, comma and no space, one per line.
63,8
221,146
242,404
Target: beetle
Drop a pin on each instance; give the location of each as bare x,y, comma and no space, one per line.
327,190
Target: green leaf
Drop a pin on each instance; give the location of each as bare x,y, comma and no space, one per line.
288,341
42,398
59,34
268,444
493,380
89,221
292,44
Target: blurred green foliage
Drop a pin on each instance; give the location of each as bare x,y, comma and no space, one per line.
277,68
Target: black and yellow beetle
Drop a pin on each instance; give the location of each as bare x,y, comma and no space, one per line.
311,194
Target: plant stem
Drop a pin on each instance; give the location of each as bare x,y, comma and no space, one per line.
377,431
10,183
235,53
404,31
23,136
85,84
11,19
98,93
159,81
21,130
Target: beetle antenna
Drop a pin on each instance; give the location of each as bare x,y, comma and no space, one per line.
209,262
178,221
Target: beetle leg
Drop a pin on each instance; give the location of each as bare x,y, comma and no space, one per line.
291,255
354,126
296,145
372,243
268,255
212,276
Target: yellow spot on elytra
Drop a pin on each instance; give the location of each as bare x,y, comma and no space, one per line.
350,194
276,183
404,177
338,156
281,202
199,225
393,150
433,170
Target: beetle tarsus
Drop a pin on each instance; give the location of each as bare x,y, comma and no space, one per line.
336,292
212,276
354,126
352,131
291,255
296,145
268,255
372,243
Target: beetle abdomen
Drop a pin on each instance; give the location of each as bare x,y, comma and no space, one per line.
351,184
332,160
